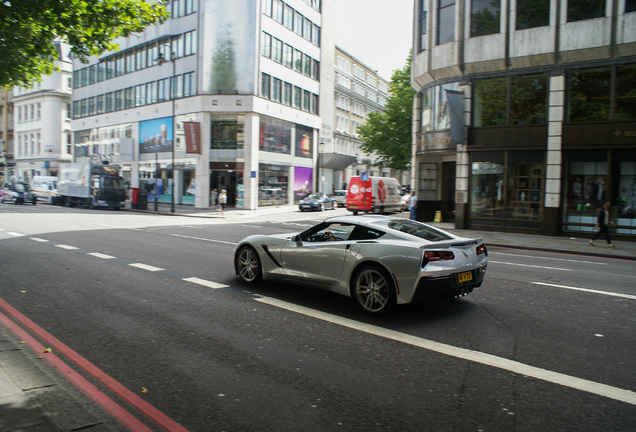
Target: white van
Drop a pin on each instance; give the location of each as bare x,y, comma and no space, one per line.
45,188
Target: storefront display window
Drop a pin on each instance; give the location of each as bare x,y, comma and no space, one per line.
591,181
275,136
487,200
508,189
272,185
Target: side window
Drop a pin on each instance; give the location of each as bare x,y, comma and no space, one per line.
364,233
330,232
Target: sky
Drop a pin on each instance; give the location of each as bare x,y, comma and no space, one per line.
376,32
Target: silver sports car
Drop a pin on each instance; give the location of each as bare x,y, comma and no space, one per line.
379,261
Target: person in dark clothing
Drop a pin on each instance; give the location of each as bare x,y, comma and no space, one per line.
602,224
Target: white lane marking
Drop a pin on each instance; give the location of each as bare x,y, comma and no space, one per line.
145,267
41,240
528,265
205,283
613,294
109,226
100,255
546,258
599,389
68,247
15,234
202,239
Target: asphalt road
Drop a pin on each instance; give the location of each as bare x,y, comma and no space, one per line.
153,303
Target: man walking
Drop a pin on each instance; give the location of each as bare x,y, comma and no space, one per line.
602,224
413,205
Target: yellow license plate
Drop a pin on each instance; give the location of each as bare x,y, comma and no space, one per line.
465,277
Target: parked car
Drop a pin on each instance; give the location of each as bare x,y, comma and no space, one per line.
379,261
17,193
317,201
340,195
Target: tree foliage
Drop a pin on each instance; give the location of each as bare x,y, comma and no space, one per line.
28,28
388,133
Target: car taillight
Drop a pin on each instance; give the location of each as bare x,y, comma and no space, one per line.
481,249
438,255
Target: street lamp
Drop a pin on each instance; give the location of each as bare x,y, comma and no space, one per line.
160,61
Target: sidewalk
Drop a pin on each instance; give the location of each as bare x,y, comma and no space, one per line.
564,244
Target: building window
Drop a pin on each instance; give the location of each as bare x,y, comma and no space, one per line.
630,6
589,95
315,35
298,61
277,11
227,134
422,25
579,10
446,21
267,7
626,93
287,94
288,56
267,45
427,182
529,99
307,29
288,17
298,23
265,85
490,102
276,90
532,13
277,50
485,17
516,100
298,95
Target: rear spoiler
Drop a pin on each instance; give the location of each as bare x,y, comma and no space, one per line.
453,243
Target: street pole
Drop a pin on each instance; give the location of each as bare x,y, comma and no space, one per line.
173,83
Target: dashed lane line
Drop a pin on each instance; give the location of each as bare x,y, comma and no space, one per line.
205,283
516,367
67,247
100,255
607,293
146,267
546,258
528,265
39,240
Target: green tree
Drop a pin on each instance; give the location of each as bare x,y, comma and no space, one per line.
27,28
388,133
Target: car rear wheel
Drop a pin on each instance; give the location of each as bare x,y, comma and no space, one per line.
248,265
373,289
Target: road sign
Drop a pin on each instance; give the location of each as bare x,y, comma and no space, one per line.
364,176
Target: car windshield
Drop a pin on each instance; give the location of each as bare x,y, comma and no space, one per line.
21,187
112,182
418,230
339,193
315,197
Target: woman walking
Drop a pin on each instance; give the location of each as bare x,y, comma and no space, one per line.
222,201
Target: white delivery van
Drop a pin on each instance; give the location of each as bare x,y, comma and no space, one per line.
45,188
376,195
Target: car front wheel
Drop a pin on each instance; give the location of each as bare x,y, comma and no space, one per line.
248,265
373,289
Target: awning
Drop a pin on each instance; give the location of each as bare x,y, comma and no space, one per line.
335,161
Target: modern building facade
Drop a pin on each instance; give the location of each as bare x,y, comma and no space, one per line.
239,95
358,91
42,122
525,117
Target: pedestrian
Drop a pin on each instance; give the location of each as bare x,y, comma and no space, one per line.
213,195
222,201
602,224
413,205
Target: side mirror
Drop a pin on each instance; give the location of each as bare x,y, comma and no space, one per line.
297,238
